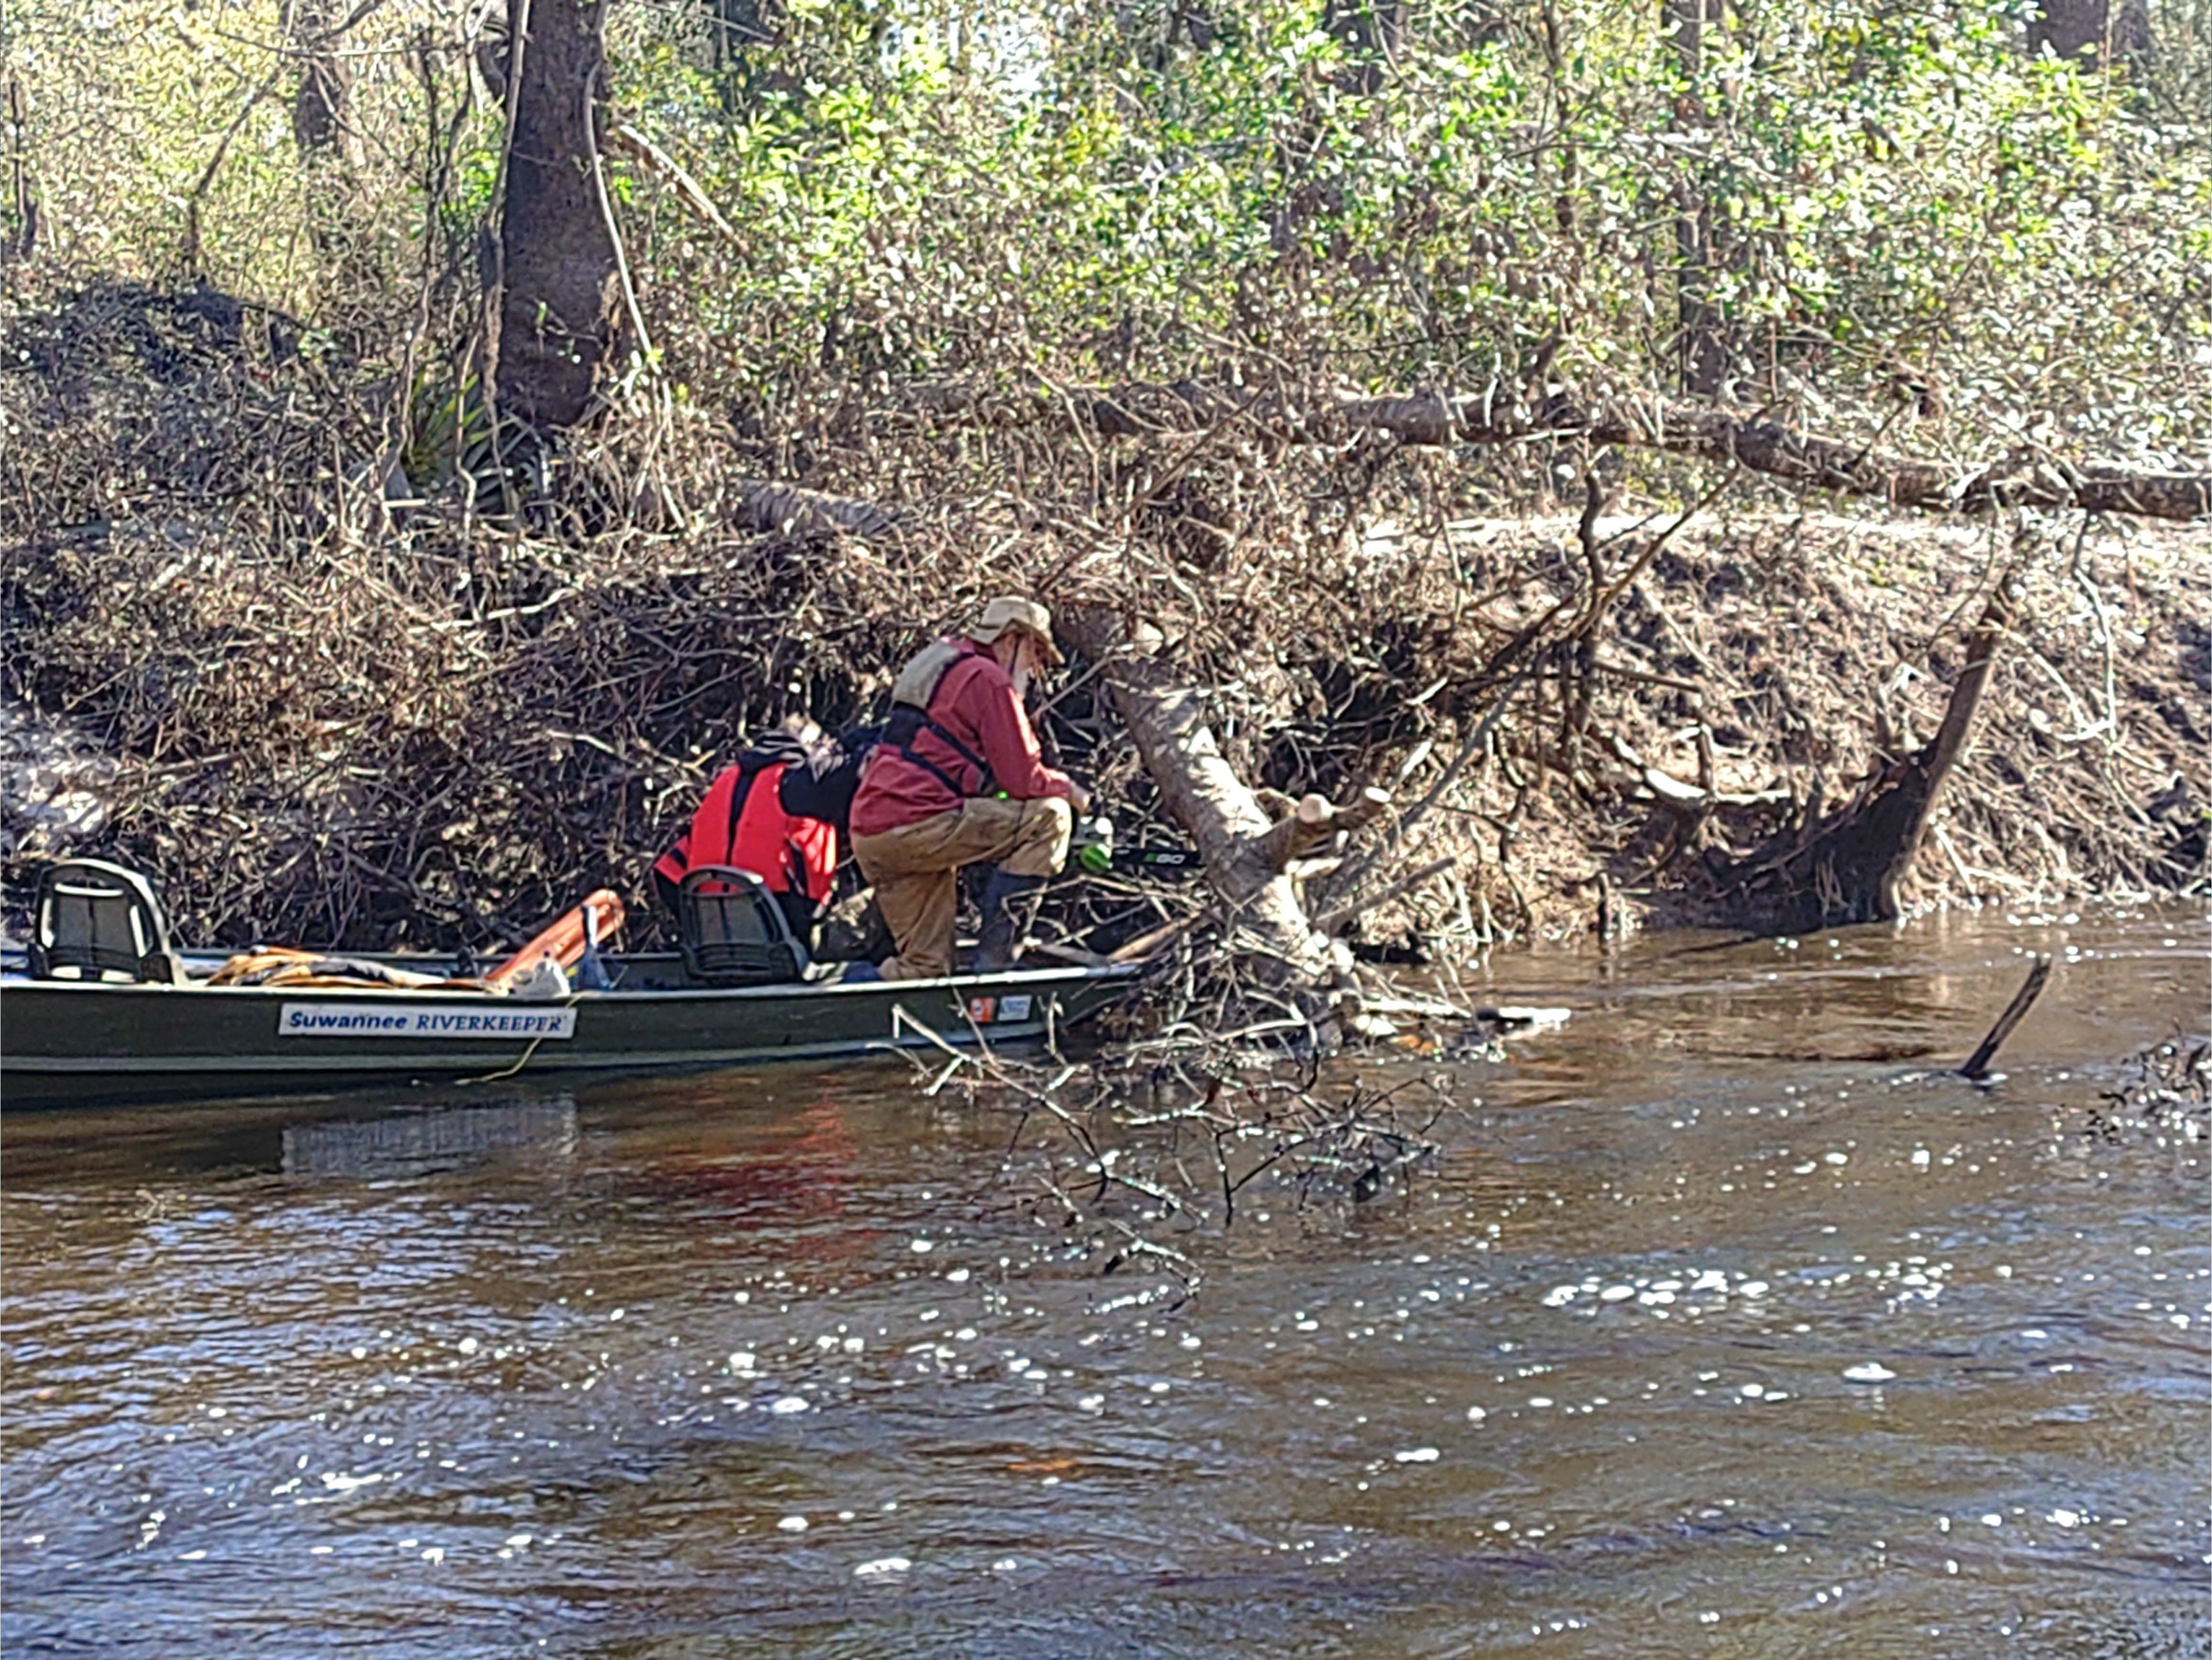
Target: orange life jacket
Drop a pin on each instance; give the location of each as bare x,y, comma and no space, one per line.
742,823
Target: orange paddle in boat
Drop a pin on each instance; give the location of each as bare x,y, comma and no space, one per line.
564,940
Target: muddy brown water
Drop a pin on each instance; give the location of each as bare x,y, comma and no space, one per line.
1710,1335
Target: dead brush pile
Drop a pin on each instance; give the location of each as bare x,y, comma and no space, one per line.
344,713
2159,1103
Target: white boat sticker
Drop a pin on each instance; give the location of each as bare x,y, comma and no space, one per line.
1014,1008
382,1020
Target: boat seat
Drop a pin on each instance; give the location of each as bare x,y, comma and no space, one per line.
94,920
732,932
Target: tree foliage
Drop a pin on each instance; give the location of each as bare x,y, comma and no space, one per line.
1911,220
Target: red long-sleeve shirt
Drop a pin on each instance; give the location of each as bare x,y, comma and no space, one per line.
977,703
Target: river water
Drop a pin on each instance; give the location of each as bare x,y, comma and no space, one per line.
1713,1332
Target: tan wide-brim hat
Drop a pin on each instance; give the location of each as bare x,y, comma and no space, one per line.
1010,611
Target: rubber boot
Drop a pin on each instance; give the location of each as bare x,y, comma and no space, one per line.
1008,905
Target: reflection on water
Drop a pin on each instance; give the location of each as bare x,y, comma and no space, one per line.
421,1144
1711,1334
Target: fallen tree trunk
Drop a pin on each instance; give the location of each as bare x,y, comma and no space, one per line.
1676,426
2020,479
1848,868
1245,852
791,510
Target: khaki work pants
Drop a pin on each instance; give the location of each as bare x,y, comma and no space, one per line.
916,869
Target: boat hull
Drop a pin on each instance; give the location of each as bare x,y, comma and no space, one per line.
65,1042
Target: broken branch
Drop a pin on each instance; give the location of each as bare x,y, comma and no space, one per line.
1978,1063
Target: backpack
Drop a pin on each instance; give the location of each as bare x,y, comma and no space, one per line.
821,783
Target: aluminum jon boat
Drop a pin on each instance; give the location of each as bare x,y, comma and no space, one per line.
63,1040
164,1032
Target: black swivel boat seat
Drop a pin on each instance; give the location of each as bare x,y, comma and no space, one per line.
94,920
732,932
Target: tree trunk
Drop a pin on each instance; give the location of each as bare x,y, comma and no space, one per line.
1701,341
322,127
319,104
2103,31
746,34
22,234
1851,867
558,304
1370,31
1245,852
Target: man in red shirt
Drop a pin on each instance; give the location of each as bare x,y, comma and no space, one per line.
957,780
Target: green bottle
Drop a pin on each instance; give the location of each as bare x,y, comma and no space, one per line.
1094,843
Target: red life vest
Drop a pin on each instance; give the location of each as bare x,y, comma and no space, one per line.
928,758
791,855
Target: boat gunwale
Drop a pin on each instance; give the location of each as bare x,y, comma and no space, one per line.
1069,974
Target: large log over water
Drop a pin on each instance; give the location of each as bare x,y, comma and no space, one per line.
1246,852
